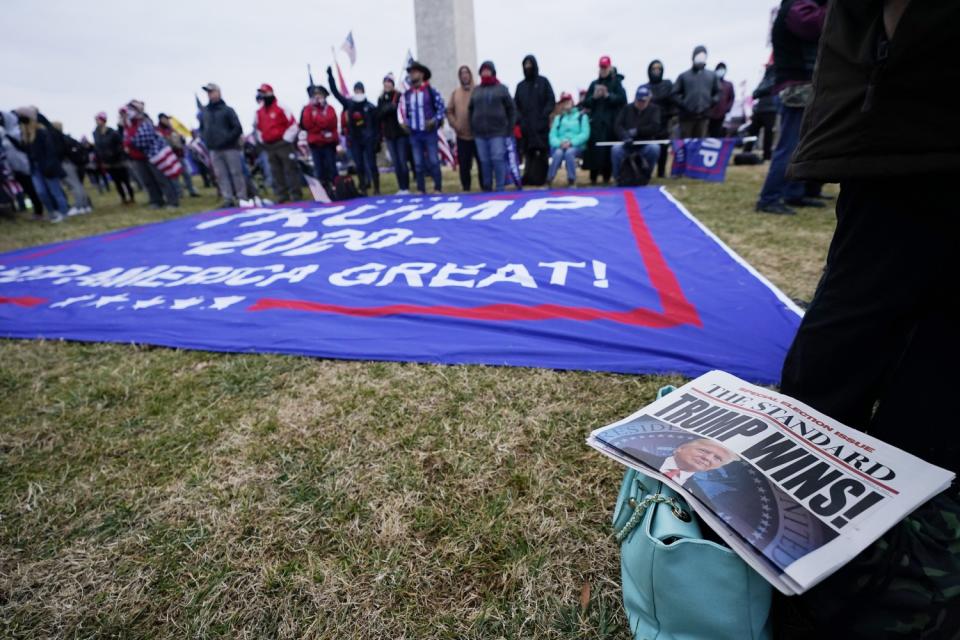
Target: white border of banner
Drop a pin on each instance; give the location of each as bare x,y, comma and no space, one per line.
790,304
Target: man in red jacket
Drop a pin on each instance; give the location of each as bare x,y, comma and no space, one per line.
276,130
319,120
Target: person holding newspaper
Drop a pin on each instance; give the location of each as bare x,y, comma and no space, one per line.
877,349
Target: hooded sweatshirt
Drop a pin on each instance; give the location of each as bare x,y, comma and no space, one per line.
660,89
535,101
696,90
458,109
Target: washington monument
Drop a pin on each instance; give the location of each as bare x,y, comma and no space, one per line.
446,39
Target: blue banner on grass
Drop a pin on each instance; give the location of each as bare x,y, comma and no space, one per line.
702,158
608,280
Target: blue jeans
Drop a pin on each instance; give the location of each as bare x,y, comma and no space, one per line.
400,152
492,154
324,162
558,156
776,187
50,192
426,158
650,152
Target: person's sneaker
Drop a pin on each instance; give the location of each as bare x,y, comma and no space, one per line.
56,218
73,211
571,184
172,206
805,202
776,208
194,194
154,205
403,192
86,210
227,204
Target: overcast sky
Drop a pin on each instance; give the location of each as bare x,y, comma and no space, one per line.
73,59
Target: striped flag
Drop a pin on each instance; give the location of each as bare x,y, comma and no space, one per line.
448,154
349,48
166,161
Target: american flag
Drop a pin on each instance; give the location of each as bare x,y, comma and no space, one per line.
349,48
448,154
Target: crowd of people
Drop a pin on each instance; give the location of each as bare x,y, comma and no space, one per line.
523,138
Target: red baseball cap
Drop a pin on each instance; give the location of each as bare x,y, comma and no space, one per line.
604,61
265,88
565,96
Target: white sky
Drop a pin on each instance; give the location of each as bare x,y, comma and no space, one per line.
75,58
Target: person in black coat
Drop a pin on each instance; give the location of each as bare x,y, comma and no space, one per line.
398,140
535,102
661,88
695,92
363,132
882,325
764,118
108,145
46,170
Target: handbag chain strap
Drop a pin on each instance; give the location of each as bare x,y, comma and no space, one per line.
640,507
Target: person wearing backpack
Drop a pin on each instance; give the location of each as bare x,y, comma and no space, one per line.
319,120
492,116
639,120
568,137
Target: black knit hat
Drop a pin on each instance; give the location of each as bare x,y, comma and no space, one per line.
487,64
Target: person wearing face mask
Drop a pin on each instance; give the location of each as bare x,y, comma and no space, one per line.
276,130
362,132
398,140
604,98
319,120
492,117
535,101
661,90
695,92
725,102
459,117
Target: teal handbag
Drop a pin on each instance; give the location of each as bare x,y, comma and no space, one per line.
676,584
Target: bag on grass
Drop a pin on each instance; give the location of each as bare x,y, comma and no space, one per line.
344,188
747,158
677,585
634,171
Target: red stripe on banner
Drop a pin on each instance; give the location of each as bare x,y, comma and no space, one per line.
677,310
675,304
22,301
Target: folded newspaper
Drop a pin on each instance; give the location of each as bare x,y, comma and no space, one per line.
795,493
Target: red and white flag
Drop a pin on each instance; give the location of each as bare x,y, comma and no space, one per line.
166,161
349,48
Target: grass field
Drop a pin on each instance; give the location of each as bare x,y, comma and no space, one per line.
156,493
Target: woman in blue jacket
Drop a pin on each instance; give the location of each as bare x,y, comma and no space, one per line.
568,138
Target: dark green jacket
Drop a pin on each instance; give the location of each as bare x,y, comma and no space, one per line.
882,108
603,111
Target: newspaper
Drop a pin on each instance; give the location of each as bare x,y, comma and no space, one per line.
795,493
